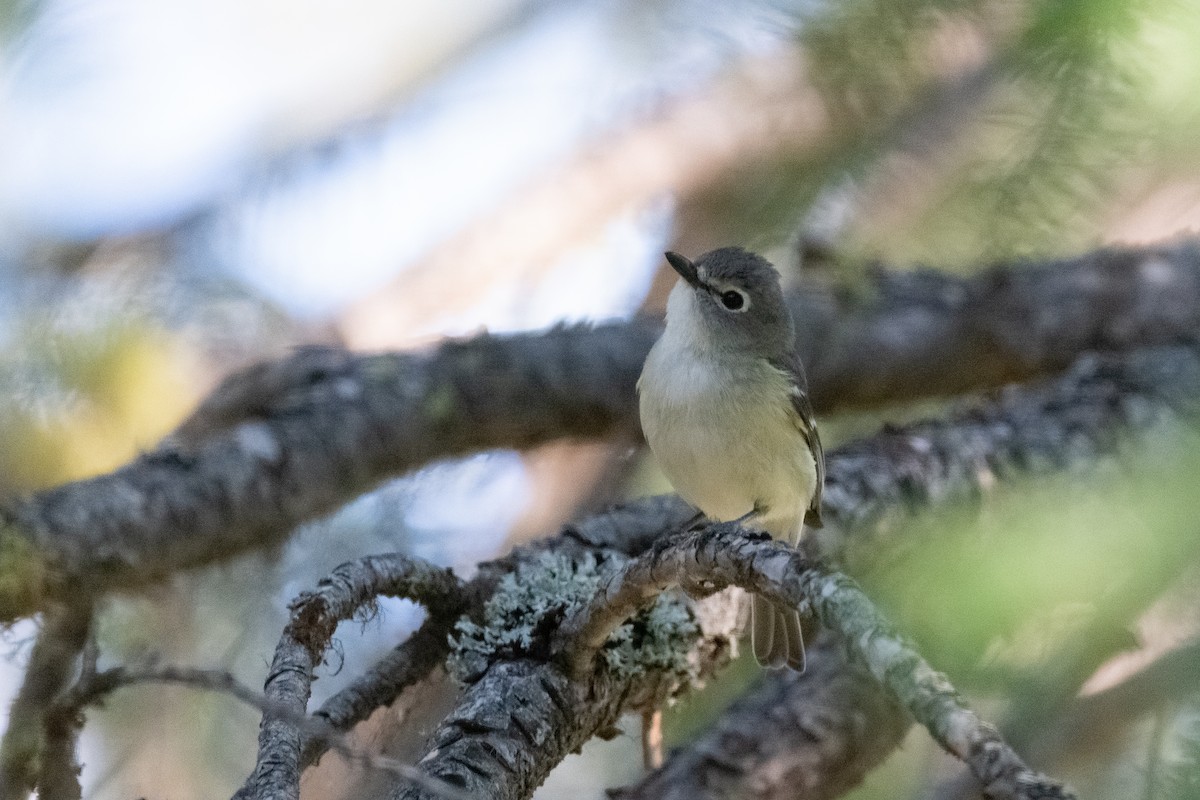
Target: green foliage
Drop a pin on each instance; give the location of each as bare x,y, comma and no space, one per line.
1066,126
530,604
993,592
965,132
870,57
1181,778
869,61
1060,117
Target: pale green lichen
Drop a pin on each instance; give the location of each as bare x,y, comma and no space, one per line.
529,606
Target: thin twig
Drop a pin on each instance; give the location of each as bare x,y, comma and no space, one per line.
407,664
107,681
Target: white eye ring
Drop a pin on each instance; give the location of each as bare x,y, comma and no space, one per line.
734,300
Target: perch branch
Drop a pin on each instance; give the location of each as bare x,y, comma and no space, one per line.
723,555
287,441
1081,419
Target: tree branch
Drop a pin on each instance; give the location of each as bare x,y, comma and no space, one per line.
98,686
315,617
58,777
1082,418
407,664
723,555
332,426
287,441
812,735
63,636
910,335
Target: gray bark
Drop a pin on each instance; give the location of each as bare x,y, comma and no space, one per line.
64,634
1076,421
723,555
284,442
812,735
315,617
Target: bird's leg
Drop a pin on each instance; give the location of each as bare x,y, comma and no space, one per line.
759,510
697,521
744,518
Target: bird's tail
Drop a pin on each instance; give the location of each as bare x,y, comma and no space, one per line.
775,635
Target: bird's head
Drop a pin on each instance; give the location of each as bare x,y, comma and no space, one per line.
730,300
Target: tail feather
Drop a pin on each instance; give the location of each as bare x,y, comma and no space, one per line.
762,630
775,635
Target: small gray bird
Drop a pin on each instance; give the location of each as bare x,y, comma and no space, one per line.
725,409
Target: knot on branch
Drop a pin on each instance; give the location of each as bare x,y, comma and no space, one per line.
522,619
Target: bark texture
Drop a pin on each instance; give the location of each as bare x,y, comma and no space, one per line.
723,555
62,638
1077,422
290,440
1081,419
811,735
315,617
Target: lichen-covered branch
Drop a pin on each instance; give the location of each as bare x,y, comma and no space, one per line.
315,616
287,441
723,555
1080,419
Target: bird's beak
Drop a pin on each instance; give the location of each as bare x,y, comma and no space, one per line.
685,268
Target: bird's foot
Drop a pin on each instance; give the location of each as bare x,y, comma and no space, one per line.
757,512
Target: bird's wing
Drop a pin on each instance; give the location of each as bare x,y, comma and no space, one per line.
806,424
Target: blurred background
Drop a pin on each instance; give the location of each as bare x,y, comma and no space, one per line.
192,185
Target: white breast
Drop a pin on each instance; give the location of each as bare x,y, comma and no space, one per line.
722,429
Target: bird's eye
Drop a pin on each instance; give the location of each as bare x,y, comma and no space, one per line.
733,300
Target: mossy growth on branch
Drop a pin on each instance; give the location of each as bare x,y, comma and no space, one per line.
23,574
528,608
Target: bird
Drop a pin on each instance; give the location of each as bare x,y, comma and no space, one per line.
724,407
